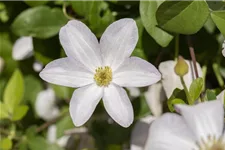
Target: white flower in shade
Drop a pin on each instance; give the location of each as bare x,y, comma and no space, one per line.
23,48
223,51
37,66
45,105
100,70
154,97
221,96
52,136
134,92
171,81
199,127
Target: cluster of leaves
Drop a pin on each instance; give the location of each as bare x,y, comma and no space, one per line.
163,26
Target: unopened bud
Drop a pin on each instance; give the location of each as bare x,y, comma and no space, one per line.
181,68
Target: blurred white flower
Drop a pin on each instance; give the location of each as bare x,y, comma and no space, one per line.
23,48
37,66
2,63
154,97
171,81
100,70
52,136
45,105
133,91
223,51
221,96
199,127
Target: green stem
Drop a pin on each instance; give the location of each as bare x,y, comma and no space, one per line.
190,102
176,47
65,12
218,75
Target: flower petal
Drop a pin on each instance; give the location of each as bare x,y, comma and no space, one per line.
136,72
170,132
221,96
80,44
171,81
118,105
67,73
139,134
205,119
118,42
223,51
45,105
84,102
154,97
23,48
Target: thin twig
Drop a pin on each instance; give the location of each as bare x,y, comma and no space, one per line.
192,53
47,124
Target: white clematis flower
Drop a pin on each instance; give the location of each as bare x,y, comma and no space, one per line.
100,70
199,127
52,136
45,105
154,97
134,92
223,51
23,48
171,81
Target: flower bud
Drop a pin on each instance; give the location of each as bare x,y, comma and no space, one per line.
181,68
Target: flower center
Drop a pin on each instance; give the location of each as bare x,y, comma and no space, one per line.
212,144
103,76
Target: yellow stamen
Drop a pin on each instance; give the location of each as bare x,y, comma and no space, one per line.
103,76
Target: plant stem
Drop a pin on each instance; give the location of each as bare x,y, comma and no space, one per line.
186,91
192,53
218,75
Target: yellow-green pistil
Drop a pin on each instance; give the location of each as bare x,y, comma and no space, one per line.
103,76
212,144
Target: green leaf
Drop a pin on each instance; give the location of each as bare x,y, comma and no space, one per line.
178,96
35,3
63,92
171,103
38,143
139,53
210,95
148,17
62,125
14,91
19,112
196,88
184,17
219,19
33,87
5,144
40,22
3,111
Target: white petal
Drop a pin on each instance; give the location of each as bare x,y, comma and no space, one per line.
65,72
83,103
80,44
23,48
37,66
118,42
221,96
171,81
62,141
118,105
45,105
51,133
136,72
139,133
154,97
133,91
204,119
169,132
